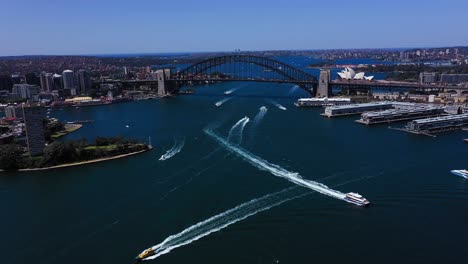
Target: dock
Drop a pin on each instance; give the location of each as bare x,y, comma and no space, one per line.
428,126
356,109
401,114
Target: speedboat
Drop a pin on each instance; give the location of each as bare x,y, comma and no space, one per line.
357,199
147,253
461,173
218,104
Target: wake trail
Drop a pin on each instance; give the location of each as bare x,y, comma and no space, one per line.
293,89
278,105
227,218
231,90
178,145
276,170
260,115
237,131
221,102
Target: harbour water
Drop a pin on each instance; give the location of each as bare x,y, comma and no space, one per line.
109,212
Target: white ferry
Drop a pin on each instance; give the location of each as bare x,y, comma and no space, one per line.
461,173
357,199
303,102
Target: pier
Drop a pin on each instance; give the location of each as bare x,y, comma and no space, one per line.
436,124
395,115
355,109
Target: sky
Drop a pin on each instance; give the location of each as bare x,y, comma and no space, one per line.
50,27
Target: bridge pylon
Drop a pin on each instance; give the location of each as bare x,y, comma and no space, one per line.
324,87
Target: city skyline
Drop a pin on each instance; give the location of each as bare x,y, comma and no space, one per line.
100,28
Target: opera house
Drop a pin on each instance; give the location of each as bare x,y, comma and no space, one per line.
350,74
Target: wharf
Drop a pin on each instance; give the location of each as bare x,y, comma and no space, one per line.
397,115
428,126
356,109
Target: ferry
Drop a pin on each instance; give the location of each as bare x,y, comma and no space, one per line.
461,173
357,199
311,102
147,253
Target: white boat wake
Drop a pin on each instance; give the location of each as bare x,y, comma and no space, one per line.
221,102
237,131
227,218
278,105
231,91
178,145
275,169
293,89
261,114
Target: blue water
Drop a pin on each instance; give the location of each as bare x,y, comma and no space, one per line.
109,212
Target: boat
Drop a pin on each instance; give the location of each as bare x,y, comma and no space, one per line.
308,102
357,199
147,253
466,140
218,104
461,173
228,92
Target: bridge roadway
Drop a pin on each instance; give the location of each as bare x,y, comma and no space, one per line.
349,84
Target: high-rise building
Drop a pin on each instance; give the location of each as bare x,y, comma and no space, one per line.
5,82
43,80
16,78
34,125
84,81
32,78
69,81
25,91
57,82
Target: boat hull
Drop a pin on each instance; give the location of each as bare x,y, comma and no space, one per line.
459,173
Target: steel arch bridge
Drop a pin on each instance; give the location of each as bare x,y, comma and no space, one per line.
238,67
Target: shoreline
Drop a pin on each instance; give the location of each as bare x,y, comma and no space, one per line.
66,165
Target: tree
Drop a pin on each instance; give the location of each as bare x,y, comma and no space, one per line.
10,156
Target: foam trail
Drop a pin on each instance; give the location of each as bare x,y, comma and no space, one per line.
219,103
225,219
178,145
236,132
231,90
278,105
277,170
260,115
293,89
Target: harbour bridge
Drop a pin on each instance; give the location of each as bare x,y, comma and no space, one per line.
253,68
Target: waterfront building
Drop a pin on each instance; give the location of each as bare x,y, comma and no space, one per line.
49,82
453,78
33,117
350,74
354,109
57,82
394,115
43,81
428,77
69,81
84,82
436,124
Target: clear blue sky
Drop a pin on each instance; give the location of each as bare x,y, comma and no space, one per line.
125,26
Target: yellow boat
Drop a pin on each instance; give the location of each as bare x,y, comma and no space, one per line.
147,253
